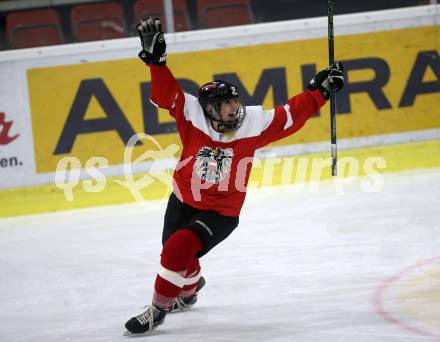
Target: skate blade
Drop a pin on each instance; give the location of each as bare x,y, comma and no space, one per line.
147,333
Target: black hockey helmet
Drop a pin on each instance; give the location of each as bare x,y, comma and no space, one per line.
214,93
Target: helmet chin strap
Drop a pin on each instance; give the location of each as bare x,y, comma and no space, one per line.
226,126
222,126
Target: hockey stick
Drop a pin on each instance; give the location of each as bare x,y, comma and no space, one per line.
331,59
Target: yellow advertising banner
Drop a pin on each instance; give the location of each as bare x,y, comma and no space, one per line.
92,109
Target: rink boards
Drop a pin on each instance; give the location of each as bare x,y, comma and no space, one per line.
84,101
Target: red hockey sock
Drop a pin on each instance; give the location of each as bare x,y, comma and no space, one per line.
177,257
193,270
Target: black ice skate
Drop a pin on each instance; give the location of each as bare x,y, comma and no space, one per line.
147,321
185,303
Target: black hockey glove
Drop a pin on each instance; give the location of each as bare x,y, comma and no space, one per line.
153,42
329,79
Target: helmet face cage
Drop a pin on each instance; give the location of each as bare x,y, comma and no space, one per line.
215,93
225,126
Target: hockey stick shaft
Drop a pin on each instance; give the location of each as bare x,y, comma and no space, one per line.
331,59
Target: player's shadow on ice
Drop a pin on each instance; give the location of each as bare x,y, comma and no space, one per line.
227,322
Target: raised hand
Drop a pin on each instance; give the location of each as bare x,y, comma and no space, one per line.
153,41
329,79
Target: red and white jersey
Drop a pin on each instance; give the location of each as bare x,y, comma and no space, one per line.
214,168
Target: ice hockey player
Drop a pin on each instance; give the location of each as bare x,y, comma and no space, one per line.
219,137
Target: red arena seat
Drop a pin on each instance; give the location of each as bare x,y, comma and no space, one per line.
33,28
98,21
220,13
154,8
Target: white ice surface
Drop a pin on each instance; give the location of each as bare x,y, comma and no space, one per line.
302,266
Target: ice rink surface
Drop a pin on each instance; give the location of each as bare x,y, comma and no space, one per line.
304,265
